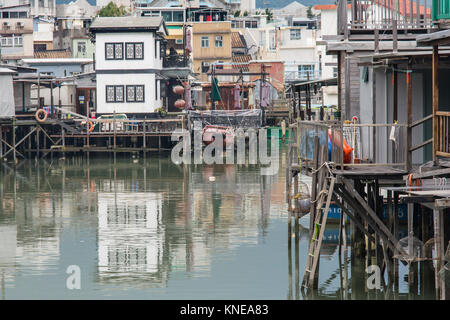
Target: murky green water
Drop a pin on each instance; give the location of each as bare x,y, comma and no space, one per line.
148,229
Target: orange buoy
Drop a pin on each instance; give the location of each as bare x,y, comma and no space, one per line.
91,126
337,142
180,103
39,113
178,90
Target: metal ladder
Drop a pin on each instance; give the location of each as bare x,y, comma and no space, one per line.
320,221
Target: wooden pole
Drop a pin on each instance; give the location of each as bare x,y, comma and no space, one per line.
14,139
314,186
395,111
438,245
37,142
144,138
114,128
409,115
435,92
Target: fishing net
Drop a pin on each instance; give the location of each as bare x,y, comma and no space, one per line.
234,118
303,197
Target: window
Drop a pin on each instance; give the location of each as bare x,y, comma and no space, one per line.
205,42
40,47
114,94
156,49
178,16
205,67
218,41
7,42
81,47
156,89
114,51
305,70
251,24
272,44
134,50
296,34
18,41
135,93
167,15
236,24
262,38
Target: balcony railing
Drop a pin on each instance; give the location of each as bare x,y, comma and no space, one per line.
441,10
302,75
443,129
365,144
385,14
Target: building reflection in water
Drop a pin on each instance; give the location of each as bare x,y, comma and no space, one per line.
130,236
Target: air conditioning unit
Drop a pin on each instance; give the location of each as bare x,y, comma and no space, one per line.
6,25
20,24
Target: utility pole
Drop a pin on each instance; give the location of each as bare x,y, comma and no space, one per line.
213,102
263,72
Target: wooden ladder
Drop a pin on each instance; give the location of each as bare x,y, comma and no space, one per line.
320,221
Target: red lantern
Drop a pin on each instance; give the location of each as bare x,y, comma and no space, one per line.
178,90
180,103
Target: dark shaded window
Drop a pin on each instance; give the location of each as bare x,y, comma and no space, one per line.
114,51
114,94
134,50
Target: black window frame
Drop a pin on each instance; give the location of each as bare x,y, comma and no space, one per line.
135,87
115,94
134,50
114,50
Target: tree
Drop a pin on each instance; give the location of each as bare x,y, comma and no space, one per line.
269,15
111,10
237,13
309,13
245,13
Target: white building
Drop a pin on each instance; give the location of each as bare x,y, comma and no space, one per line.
329,63
128,64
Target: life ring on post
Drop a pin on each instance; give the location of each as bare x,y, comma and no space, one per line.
91,126
38,114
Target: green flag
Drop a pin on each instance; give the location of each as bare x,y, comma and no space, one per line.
215,93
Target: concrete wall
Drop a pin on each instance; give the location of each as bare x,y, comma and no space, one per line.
148,80
57,69
212,53
149,61
128,72
90,48
7,96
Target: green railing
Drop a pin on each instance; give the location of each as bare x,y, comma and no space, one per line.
441,9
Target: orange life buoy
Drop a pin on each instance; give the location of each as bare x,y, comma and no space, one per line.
91,126
410,182
38,113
